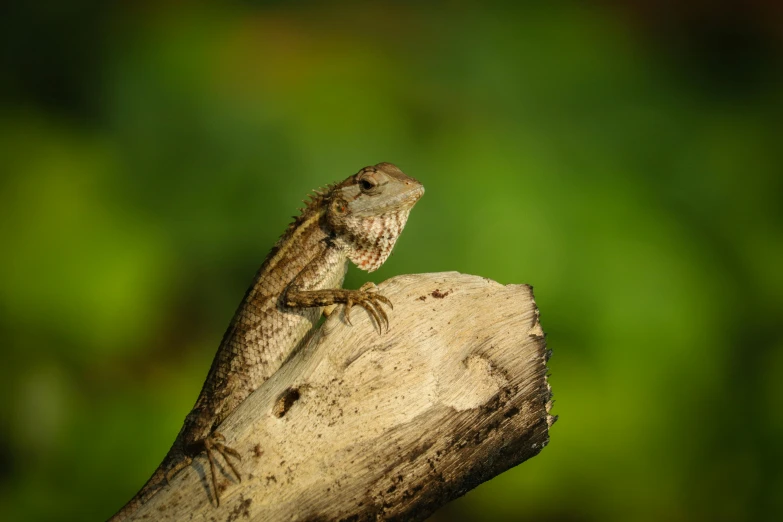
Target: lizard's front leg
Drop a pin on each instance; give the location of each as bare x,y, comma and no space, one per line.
367,298
304,292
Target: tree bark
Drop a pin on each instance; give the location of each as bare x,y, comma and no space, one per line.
362,426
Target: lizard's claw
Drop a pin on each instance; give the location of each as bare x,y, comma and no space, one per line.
368,298
371,288
327,311
347,313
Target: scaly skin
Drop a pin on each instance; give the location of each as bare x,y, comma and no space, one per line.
359,220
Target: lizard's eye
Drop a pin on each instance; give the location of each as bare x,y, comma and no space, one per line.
367,184
339,206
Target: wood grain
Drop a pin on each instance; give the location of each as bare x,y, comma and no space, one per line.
362,426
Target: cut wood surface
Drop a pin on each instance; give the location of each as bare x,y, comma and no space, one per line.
362,426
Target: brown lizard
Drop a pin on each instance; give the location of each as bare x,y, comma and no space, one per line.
359,220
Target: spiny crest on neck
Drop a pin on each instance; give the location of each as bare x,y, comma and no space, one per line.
315,203
314,208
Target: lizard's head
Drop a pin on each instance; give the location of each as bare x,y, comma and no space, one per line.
368,211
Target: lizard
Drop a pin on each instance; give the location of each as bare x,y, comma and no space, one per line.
356,220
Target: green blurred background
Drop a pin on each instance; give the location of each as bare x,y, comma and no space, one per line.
623,157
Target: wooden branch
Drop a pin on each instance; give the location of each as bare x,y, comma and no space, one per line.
362,426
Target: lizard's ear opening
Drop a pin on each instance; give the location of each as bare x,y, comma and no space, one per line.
339,206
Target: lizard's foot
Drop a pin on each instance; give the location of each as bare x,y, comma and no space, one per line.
214,444
368,298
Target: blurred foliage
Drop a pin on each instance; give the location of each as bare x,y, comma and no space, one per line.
624,160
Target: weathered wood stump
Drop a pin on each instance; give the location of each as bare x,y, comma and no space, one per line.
362,426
